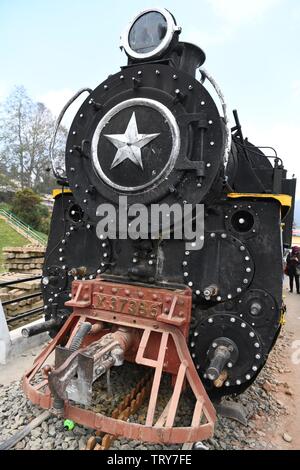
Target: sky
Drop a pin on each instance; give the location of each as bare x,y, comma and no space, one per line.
55,47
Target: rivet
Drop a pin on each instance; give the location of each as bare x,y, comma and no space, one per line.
121,77
202,103
81,115
208,165
177,91
210,122
91,277
74,132
212,235
212,143
238,382
232,319
190,284
184,263
243,325
187,253
242,248
150,262
139,72
248,270
98,271
224,235
248,376
254,368
210,320
192,344
157,72
105,87
197,292
257,356
70,151
245,281
256,345
134,260
185,274
229,364
190,87
72,169
85,201
251,334
214,345
227,383
219,298
196,333
239,289
247,258
175,77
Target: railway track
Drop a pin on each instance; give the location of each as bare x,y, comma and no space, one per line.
133,406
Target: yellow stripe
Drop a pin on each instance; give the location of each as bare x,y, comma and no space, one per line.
284,199
57,192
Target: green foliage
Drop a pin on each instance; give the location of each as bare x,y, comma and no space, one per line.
27,206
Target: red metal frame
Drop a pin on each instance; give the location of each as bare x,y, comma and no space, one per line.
160,344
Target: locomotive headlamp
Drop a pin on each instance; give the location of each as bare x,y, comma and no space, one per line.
149,34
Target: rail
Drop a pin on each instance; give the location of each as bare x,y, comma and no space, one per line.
18,281
34,311
27,313
26,230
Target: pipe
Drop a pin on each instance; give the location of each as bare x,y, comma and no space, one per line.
40,328
83,330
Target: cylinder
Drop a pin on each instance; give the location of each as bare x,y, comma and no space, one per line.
39,328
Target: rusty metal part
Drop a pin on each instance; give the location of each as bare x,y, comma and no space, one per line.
128,406
218,383
87,364
160,342
96,328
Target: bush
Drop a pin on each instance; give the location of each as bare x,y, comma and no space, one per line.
26,205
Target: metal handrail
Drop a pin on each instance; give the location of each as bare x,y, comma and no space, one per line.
25,314
10,216
18,281
19,299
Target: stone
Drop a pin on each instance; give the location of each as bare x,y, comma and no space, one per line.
36,432
52,430
287,437
20,445
267,386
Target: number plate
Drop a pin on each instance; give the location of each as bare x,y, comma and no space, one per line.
113,303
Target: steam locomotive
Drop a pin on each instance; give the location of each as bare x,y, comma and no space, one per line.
153,132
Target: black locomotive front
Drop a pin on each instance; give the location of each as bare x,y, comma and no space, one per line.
153,133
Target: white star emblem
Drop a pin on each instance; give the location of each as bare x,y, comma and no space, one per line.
129,144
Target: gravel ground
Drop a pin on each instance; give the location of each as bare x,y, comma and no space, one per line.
260,404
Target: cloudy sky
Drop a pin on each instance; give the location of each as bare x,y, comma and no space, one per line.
54,47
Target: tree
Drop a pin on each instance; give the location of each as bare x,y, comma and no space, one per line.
27,206
26,130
